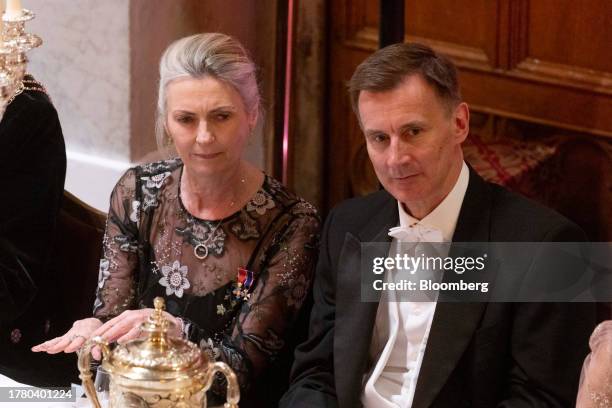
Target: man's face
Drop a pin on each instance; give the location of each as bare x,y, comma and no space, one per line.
414,142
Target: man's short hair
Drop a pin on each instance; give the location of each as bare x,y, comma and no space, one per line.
389,66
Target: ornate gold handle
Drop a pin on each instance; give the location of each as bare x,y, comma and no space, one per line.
85,369
233,390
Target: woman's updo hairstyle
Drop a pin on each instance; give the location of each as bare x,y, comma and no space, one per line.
209,54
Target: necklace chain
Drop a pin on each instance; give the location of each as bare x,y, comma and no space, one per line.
201,249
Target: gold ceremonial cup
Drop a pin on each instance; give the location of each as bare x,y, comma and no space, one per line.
157,371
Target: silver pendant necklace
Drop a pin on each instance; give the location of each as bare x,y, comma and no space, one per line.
201,250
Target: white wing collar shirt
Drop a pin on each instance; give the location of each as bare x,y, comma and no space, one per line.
400,333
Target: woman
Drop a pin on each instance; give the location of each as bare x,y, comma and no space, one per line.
229,248
596,381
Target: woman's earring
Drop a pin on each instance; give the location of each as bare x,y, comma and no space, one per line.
249,139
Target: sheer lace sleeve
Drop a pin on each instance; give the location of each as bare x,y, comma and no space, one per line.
596,380
261,326
115,291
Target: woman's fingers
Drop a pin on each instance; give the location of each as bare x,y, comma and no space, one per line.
124,327
122,324
96,353
75,344
72,340
121,328
131,335
58,347
108,325
46,344
120,320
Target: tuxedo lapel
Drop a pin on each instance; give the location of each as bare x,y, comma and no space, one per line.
355,318
454,322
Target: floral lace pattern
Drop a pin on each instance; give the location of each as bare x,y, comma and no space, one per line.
135,214
238,302
260,203
126,243
207,234
150,188
297,291
174,279
103,273
245,227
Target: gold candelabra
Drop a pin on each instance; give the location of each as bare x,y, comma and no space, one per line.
14,44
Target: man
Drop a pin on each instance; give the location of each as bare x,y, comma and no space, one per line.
438,354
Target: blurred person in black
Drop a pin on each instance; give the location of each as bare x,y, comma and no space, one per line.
33,169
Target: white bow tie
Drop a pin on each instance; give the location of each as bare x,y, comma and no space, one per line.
416,233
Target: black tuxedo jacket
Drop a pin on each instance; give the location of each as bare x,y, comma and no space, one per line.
478,354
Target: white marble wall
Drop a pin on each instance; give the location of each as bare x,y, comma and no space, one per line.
84,63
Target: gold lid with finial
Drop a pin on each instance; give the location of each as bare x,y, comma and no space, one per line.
157,356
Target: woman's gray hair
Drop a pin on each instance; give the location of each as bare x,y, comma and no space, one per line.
209,54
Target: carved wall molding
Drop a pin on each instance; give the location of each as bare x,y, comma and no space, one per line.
366,39
564,75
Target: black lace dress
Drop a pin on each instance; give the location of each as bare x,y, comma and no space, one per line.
238,283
